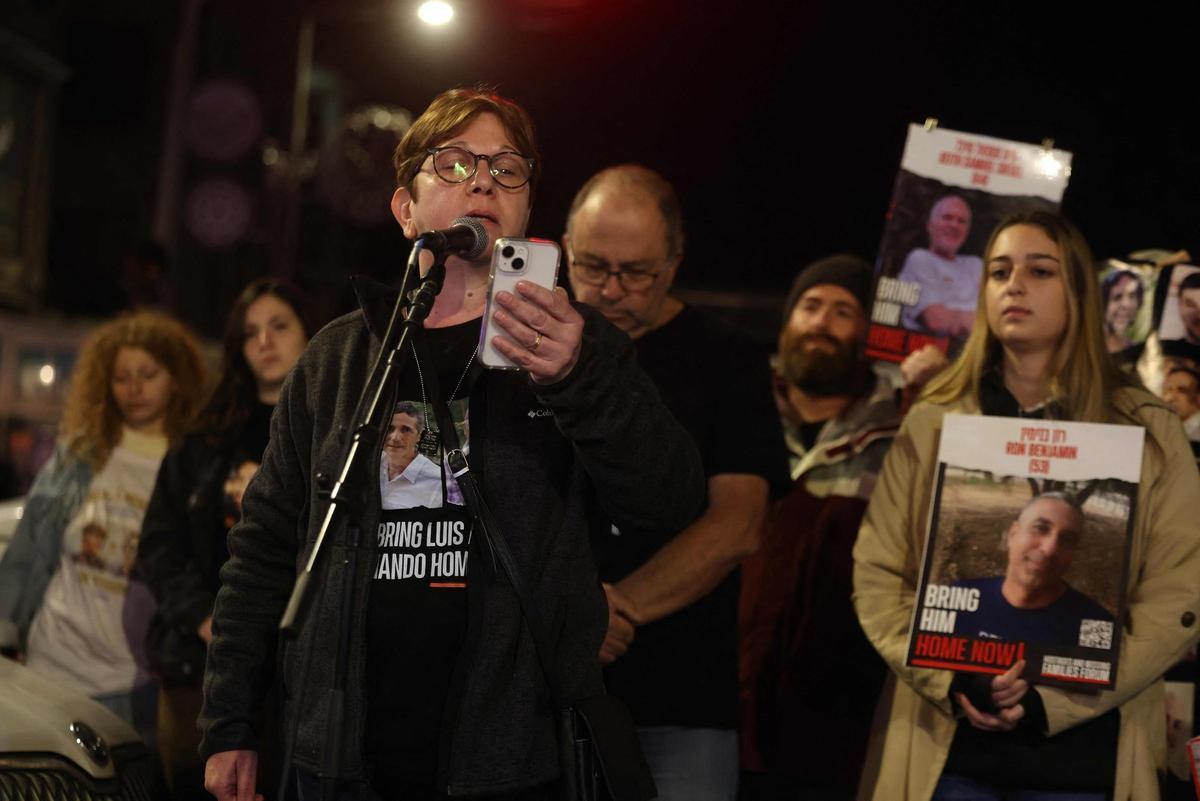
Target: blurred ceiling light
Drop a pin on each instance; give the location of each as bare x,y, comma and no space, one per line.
46,374
435,12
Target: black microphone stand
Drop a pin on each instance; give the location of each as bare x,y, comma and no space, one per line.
346,498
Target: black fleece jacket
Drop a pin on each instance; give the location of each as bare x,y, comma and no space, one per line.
554,462
183,541
176,550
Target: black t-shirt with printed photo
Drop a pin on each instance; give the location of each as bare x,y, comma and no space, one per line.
417,612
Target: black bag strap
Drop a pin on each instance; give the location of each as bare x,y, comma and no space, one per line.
494,537
602,721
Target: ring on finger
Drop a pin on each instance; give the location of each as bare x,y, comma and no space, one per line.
536,341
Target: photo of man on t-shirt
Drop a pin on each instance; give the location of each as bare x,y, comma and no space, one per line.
408,478
92,542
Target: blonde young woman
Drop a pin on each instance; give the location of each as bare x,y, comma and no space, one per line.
1037,349
67,580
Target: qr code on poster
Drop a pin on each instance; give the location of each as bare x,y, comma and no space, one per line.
1095,633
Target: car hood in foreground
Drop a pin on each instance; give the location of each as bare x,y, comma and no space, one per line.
38,715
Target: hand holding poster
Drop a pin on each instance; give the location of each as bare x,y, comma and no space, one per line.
952,189
1028,548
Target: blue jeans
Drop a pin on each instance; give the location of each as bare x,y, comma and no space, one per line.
138,708
308,788
692,764
960,788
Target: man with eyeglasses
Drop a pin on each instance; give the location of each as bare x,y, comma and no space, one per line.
445,694
671,648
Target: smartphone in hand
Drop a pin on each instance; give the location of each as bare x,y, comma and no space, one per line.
513,260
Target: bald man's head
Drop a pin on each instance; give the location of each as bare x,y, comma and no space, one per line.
1041,544
624,242
635,183
948,226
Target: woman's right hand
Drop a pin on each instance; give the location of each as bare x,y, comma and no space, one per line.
1007,691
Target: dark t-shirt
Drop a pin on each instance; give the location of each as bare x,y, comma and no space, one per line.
809,432
417,612
248,447
255,434
682,670
996,618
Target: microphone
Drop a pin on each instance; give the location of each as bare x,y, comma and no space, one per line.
465,237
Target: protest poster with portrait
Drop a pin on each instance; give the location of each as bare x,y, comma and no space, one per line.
1169,360
1177,308
1028,549
951,191
1127,291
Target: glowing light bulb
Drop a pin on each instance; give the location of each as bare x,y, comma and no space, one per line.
1048,165
46,374
435,12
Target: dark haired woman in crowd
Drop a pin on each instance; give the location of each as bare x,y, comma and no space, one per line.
1121,293
67,578
197,499
1037,350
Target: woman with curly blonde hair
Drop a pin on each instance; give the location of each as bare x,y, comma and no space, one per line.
66,580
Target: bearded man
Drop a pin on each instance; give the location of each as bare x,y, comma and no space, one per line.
809,678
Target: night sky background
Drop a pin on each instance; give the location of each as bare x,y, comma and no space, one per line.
781,125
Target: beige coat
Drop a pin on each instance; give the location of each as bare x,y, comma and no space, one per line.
915,723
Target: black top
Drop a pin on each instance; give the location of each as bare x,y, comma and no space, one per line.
248,446
1082,758
256,432
183,545
809,432
682,670
417,612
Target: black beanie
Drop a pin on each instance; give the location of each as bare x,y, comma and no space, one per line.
846,270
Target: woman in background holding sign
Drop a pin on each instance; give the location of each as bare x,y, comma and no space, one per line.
1037,350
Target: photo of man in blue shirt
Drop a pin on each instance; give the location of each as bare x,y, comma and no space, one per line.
1032,601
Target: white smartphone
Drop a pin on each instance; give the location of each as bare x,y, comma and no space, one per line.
513,260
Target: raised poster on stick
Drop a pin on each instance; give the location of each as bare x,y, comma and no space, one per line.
951,191
1028,549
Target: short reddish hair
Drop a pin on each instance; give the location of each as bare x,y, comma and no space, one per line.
451,112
